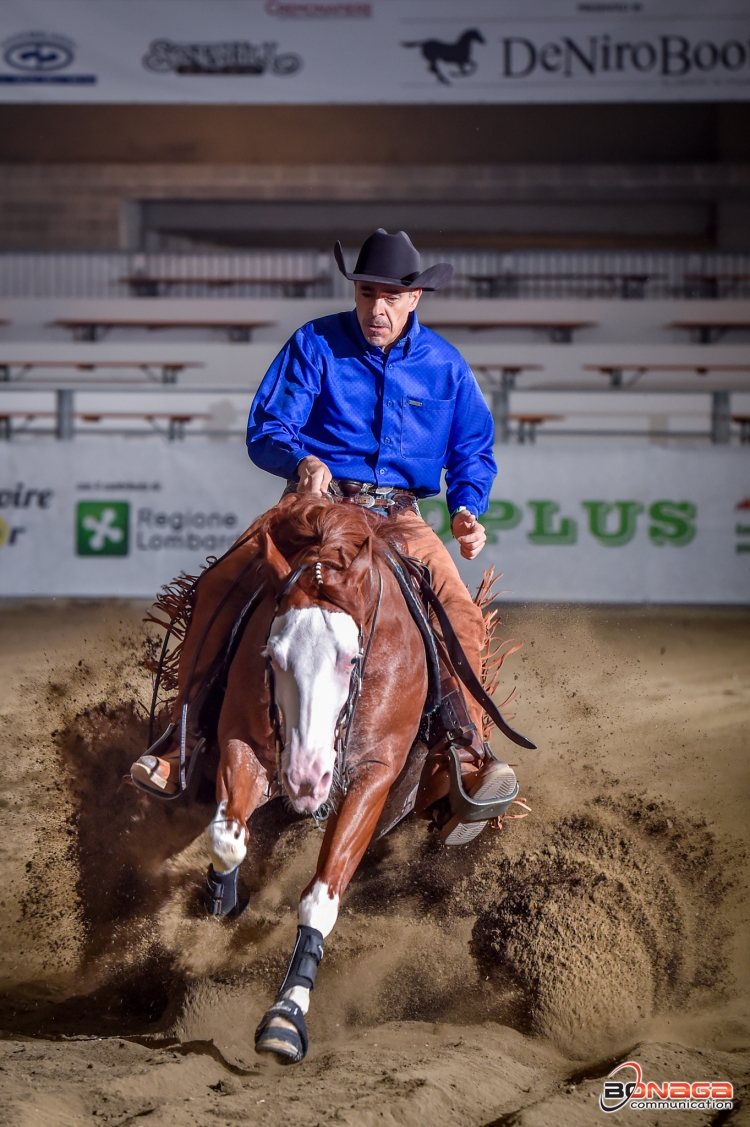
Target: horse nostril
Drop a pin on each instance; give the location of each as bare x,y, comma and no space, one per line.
325,782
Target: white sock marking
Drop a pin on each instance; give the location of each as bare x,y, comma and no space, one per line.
226,841
319,909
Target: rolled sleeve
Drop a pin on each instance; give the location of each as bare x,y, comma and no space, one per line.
470,467
281,408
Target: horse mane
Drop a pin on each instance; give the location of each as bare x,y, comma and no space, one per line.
312,529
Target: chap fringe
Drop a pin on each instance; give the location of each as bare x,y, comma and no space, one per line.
493,653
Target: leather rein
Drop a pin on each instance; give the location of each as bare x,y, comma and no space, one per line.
406,575
346,715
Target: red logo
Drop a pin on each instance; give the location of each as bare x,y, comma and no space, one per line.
647,1095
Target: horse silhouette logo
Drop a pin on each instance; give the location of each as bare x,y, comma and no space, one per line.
457,55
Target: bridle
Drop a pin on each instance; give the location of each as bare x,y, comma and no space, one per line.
342,731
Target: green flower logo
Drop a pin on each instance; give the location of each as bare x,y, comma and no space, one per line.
102,528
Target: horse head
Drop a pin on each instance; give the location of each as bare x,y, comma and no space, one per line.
313,647
473,35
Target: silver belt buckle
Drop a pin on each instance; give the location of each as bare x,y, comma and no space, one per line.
365,499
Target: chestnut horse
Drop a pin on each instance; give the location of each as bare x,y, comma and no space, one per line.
299,638
330,604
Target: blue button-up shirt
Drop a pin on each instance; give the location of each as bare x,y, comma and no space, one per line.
395,419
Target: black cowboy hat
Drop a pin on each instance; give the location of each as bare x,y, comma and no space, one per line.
393,260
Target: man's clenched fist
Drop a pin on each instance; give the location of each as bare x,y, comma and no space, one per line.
469,533
314,475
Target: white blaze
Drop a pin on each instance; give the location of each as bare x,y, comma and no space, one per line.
312,651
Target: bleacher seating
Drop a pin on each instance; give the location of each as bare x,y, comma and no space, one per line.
571,345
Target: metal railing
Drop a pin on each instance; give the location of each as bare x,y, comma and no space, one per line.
177,420
281,273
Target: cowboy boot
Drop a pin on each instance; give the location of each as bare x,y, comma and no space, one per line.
157,773
160,774
495,785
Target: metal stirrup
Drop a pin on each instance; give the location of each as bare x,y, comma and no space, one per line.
466,808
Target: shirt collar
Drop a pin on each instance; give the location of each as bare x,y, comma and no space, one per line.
401,348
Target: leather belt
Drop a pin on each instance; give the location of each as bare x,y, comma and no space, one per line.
384,500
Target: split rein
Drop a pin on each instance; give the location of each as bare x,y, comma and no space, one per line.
346,715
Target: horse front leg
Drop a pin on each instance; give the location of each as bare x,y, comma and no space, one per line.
283,1030
240,787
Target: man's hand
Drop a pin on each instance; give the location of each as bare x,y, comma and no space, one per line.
469,533
314,475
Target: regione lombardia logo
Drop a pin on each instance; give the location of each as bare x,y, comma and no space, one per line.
102,528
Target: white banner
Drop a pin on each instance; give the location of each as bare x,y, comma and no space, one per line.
588,525
350,51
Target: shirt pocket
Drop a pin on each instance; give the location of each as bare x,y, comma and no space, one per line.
425,427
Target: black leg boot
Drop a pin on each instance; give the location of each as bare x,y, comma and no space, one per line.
222,892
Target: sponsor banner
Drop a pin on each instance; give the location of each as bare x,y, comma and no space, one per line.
254,51
594,524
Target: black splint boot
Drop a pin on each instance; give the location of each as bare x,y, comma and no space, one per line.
222,899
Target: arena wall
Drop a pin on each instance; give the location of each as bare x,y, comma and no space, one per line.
600,524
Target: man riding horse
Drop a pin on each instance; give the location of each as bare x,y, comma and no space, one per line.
369,407
321,655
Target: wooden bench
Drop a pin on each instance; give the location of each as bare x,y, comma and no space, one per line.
710,284
7,417
505,374
507,284
560,331
527,425
616,372
148,285
502,379
744,424
175,429
169,370
96,328
708,330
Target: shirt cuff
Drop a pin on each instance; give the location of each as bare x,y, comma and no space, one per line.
276,458
466,497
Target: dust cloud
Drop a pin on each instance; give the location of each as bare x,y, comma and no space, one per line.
491,985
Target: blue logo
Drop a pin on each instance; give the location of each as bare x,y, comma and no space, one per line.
40,57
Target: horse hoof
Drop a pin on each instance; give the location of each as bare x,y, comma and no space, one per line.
222,899
288,1040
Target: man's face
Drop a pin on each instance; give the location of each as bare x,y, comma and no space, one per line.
382,311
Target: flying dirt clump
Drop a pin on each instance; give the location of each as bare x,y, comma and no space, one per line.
600,929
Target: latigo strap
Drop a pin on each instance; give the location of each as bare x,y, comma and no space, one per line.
460,661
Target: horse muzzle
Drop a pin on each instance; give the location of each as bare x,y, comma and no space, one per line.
308,791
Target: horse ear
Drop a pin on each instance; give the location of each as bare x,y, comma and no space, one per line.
360,565
275,562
